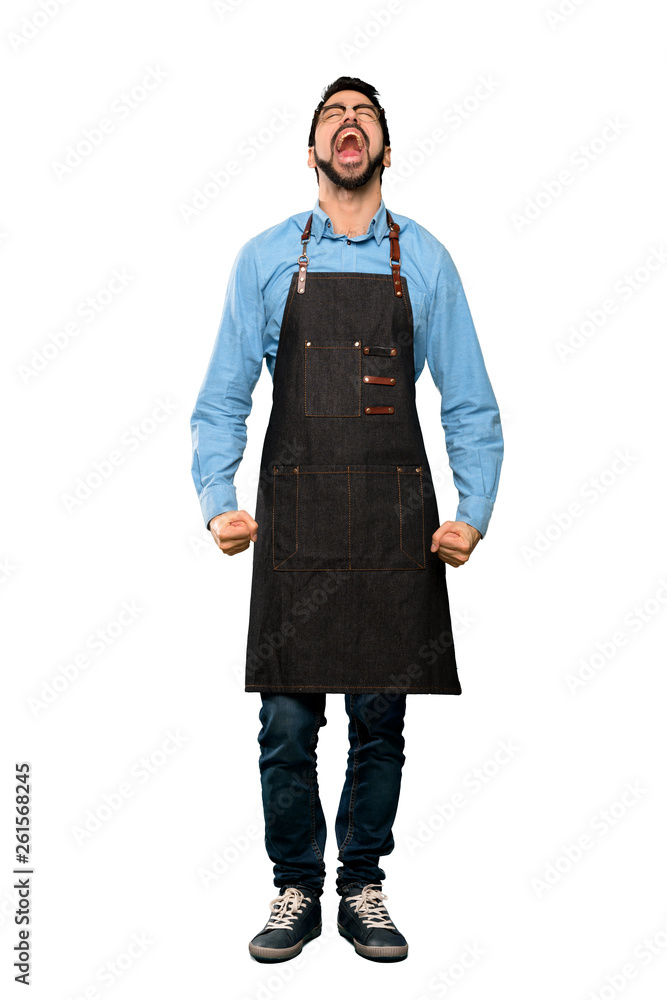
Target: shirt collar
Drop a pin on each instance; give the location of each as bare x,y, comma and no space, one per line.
377,227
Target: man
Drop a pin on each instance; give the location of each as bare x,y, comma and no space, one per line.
348,590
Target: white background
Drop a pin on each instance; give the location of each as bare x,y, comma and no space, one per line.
539,599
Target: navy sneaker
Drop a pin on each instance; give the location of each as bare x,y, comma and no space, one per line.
363,920
295,918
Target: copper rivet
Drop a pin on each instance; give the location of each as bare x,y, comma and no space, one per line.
365,350
400,469
393,381
365,378
307,343
393,350
303,269
356,343
366,410
296,470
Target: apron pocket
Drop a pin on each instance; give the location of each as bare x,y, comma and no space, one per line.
341,517
332,374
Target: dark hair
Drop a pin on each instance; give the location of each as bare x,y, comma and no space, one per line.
350,83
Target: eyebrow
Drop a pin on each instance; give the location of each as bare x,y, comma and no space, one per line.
353,106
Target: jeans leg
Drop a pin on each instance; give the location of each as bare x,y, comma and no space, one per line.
369,800
295,829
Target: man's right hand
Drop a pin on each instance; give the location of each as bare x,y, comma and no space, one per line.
233,531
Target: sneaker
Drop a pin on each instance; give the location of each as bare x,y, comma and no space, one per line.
363,920
295,918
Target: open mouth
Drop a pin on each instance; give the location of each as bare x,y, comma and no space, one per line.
350,145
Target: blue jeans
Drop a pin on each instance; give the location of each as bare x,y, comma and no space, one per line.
295,828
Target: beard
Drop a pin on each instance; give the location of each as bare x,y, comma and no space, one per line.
349,181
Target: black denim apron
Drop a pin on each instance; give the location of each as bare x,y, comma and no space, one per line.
346,595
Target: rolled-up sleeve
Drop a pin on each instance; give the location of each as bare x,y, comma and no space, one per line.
218,421
469,411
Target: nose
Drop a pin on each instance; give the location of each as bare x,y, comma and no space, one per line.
350,115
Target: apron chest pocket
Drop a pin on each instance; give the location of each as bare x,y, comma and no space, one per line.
332,377
346,517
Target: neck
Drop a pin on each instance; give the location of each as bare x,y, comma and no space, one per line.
350,211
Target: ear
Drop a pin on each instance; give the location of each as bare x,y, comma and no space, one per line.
311,158
387,157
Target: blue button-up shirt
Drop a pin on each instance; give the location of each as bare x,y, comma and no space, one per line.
444,336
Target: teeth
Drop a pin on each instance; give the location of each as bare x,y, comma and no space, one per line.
356,135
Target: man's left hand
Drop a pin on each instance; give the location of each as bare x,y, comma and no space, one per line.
454,541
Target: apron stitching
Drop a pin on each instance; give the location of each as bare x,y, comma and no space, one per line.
349,521
421,489
420,565
400,523
334,472
365,689
274,523
327,347
400,511
358,277
325,569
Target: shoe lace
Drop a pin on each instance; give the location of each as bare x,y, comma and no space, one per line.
369,906
286,908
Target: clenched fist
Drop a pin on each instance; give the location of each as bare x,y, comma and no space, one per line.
233,531
454,541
